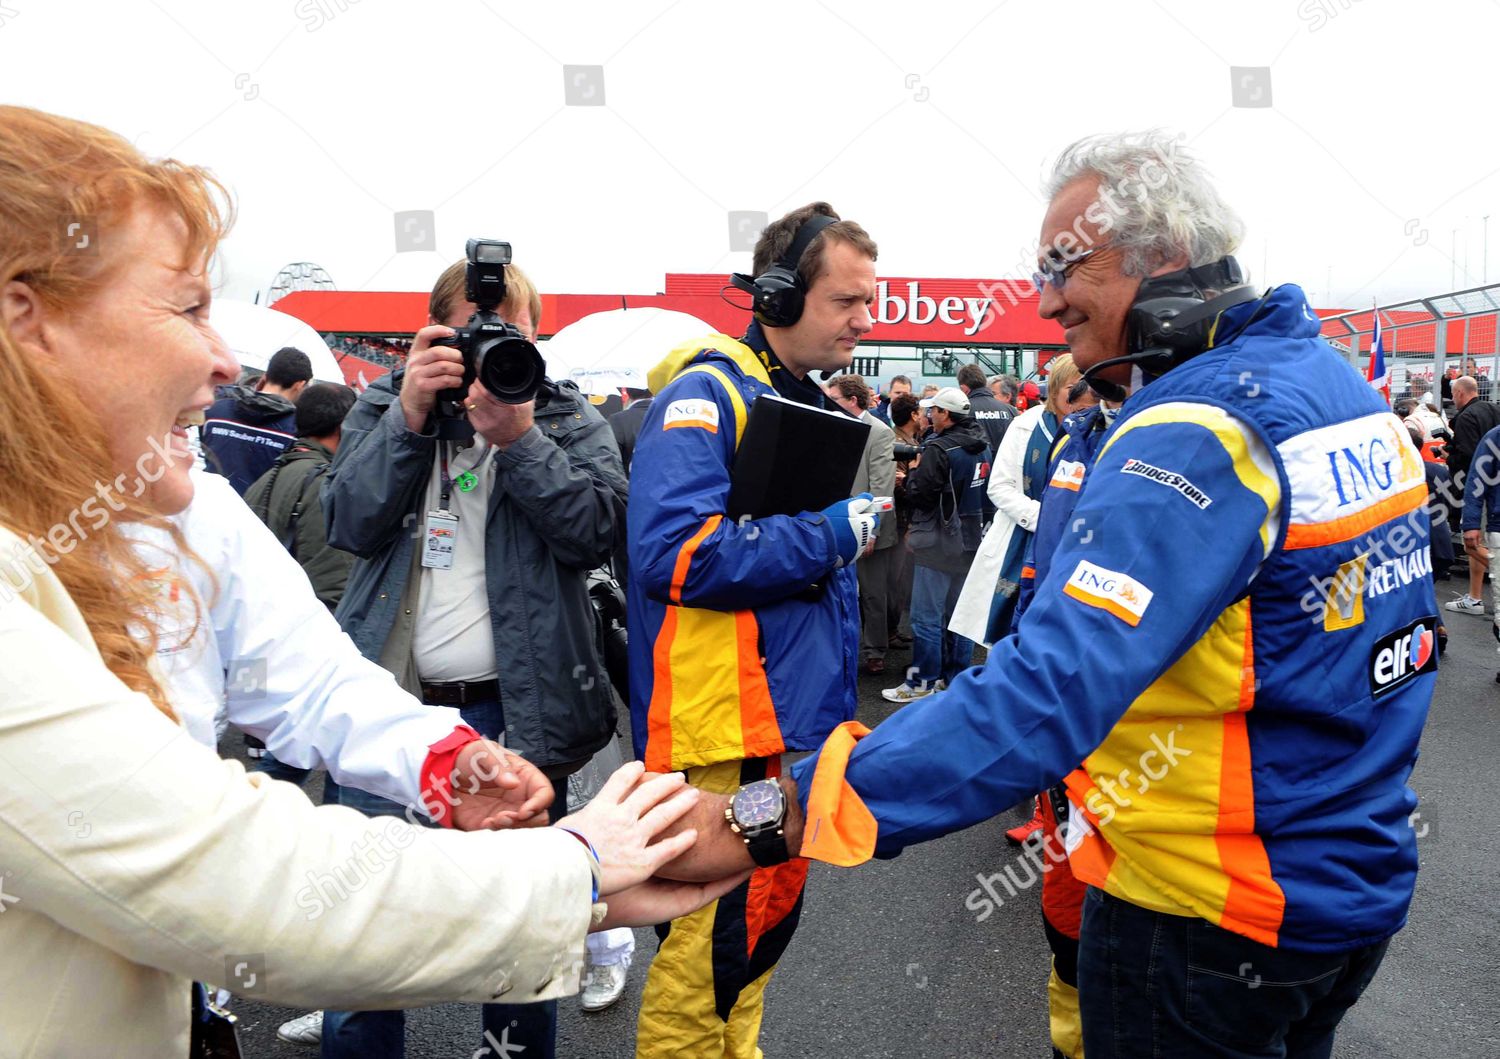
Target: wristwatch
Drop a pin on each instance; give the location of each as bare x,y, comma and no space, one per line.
757,813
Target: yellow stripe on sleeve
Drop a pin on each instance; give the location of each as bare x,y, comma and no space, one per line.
1251,459
733,391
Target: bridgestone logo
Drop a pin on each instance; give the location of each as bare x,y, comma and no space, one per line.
1170,479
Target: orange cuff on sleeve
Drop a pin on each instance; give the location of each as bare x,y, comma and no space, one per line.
839,828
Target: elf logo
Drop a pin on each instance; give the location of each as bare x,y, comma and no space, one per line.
1401,656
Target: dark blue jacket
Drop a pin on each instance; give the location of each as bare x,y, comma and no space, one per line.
244,432
1480,494
955,465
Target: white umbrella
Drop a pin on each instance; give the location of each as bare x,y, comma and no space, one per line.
255,332
607,350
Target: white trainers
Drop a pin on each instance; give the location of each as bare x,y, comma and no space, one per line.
1466,604
904,692
305,1030
603,984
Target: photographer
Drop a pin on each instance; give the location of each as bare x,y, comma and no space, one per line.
947,487
525,509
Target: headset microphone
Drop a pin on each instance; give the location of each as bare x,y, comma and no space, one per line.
1172,320
777,294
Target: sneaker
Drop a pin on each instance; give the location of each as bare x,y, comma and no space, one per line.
1466,604
305,1030
603,984
904,692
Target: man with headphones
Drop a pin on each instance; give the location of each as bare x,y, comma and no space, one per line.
1241,816
744,635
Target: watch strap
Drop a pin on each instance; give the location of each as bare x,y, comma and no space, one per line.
768,848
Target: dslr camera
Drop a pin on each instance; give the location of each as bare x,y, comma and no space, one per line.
494,352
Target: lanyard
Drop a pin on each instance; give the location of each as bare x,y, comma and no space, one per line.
447,482
466,480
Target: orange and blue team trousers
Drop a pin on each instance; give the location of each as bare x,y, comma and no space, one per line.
1062,916
706,988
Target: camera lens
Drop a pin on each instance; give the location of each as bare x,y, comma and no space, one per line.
510,368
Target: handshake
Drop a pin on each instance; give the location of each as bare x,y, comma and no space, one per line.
665,849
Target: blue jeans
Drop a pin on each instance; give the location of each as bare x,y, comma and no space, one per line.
1151,985
382,1034
280,770
936,652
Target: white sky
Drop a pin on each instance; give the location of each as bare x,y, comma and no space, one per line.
325,117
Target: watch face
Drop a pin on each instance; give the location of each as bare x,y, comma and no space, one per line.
758,804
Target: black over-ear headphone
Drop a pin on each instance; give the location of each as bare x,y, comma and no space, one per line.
1172,320
778,293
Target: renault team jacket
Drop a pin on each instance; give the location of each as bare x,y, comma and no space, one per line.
732,654
1246,568
1068,464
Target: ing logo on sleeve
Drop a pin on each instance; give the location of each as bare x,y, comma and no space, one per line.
1119,594
1068,475
692,412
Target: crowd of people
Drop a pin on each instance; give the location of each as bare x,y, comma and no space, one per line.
420,601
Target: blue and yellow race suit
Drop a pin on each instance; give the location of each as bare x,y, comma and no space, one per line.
731,656
735,658
1246,567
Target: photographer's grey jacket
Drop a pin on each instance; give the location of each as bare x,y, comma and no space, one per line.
557,503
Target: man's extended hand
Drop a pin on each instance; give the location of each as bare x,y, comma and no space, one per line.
494,789
719,852
660,900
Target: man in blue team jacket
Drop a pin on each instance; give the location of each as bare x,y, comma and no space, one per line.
1241,815
249,427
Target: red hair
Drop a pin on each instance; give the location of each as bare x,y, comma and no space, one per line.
54,454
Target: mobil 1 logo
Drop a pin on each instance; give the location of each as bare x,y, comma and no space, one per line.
1400,657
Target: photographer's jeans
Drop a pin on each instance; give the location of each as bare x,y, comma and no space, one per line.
382,1034
1151,984
936,653
280,770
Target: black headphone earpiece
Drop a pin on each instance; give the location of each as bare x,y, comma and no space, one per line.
1172,320
778,294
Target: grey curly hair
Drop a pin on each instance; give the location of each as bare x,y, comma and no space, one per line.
1166,203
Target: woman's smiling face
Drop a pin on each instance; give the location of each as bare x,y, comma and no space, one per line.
143,355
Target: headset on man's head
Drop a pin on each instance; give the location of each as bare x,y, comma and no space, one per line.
1173,319
778,294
